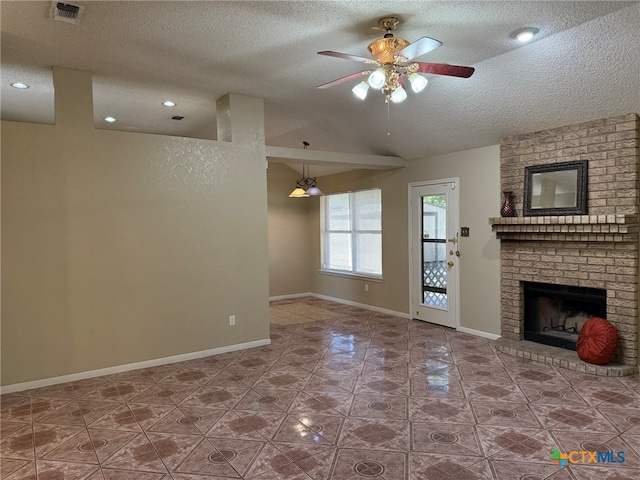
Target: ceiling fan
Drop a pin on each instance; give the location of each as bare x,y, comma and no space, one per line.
393,66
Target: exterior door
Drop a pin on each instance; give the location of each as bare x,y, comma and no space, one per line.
434,252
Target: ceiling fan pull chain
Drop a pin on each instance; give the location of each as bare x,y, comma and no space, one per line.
388,116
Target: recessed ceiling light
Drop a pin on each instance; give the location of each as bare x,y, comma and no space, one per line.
110,119
169,103
525,35
20,85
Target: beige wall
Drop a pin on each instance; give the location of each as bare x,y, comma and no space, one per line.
479,174
289,249
120,247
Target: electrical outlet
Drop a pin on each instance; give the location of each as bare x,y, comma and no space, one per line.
366,287
232,319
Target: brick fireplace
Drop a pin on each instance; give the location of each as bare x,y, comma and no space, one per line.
597,250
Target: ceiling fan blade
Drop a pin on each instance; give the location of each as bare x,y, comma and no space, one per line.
346,56
419,47
444,69
338,81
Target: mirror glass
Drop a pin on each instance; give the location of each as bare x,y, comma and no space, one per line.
554,189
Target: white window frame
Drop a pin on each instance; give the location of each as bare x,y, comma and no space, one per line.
353,232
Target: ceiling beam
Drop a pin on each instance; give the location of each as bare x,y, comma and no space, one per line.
317,157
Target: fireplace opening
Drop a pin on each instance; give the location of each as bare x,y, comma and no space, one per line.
554,314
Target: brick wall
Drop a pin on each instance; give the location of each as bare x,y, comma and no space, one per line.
577,250
610,145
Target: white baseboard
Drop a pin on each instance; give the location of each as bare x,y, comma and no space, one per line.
18,387
470,331
341,300
361,305
478,333
293,295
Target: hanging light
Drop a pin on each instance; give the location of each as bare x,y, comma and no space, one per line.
307,185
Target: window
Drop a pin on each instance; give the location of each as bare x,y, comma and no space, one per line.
351,225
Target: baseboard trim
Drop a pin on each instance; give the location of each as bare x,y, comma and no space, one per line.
478,333
361,305
18,387
470,331
293,295
340,300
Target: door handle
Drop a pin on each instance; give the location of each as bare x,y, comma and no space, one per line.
450,263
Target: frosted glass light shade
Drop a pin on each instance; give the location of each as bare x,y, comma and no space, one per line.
360,90
398,95
313,191
377,78
418,82
298,193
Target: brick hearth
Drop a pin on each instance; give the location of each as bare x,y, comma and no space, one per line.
598,250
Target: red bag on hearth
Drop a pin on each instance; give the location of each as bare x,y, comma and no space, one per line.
597,341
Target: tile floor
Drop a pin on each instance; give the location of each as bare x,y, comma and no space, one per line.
357,394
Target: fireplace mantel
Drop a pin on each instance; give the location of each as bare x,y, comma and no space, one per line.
570,228
599,250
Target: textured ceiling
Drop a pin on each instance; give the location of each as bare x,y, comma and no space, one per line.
583,65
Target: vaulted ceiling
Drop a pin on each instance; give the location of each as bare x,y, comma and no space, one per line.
584,64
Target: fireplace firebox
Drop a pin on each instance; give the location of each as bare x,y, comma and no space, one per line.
554,314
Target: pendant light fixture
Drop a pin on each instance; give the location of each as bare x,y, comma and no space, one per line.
306,186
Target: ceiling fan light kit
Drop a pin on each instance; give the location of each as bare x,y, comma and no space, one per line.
418,82
377,78
361,89
398,95
393,58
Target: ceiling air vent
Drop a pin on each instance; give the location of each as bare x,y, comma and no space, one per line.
66,12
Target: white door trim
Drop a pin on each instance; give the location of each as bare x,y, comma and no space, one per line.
456,220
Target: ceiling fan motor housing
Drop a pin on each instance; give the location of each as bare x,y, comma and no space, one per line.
384,49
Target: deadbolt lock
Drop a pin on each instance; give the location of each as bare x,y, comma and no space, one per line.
450,263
